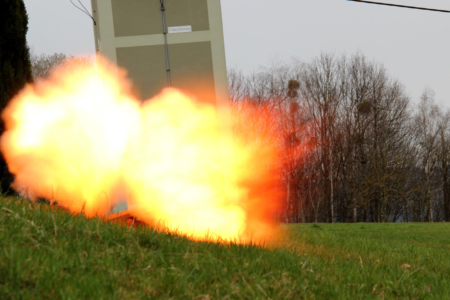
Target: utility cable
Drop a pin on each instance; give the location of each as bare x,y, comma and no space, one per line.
163,11
403,6
84,10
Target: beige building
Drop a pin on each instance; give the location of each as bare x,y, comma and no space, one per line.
181,46
173,42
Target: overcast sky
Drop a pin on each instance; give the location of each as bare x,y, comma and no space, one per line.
413,45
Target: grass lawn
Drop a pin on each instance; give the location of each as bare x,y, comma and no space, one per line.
49,254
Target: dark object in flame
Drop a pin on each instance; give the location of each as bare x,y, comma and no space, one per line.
126,217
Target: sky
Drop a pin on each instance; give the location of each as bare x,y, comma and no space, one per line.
413,45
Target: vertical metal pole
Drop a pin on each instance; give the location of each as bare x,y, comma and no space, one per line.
163,10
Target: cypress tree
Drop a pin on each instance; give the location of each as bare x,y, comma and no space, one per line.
15,66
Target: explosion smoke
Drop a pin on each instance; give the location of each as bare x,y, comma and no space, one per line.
81,139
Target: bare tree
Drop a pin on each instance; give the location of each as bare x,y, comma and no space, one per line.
42,65
354,147
427,133
322,92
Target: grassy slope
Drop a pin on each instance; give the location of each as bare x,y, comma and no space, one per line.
51,254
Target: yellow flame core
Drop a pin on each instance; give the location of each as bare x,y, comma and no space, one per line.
83,140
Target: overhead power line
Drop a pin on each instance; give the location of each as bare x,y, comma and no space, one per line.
84,10
404,6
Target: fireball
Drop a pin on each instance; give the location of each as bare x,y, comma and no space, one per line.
82,139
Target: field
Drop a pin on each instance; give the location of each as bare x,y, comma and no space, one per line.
49,254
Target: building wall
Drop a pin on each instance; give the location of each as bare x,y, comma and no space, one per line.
130,33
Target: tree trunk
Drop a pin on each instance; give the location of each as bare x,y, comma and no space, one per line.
445,184
288,204
331,186
428,196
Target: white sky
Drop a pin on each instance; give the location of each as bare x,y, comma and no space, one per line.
413,45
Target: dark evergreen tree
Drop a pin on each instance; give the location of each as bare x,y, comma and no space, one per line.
15,66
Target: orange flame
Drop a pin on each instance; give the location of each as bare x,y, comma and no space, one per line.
81,139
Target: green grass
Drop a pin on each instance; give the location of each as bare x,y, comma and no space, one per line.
49,254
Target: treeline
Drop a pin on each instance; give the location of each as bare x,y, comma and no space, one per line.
356,148
42,65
